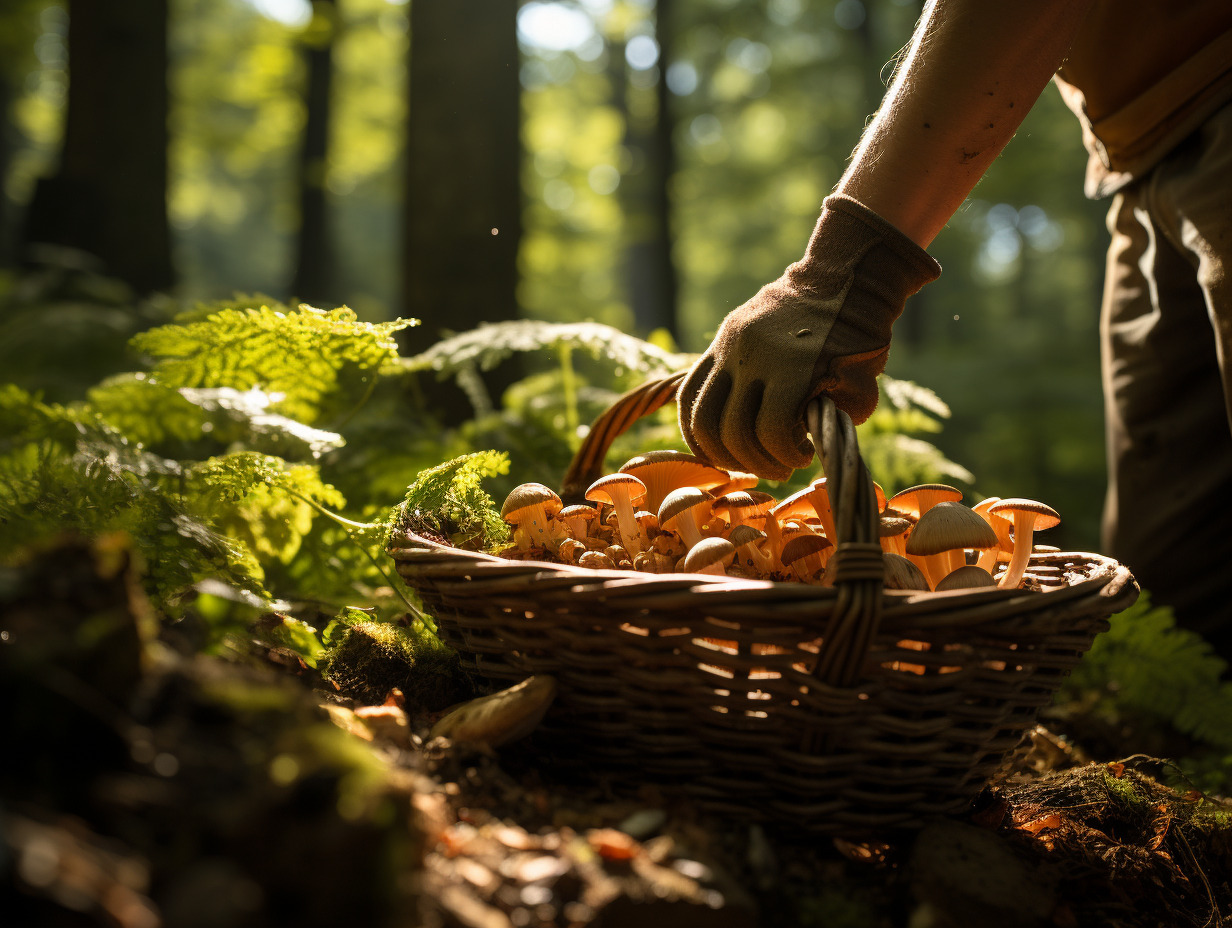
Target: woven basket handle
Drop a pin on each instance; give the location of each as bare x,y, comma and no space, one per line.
856,566
587,465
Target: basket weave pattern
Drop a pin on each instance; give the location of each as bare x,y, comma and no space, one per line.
846,710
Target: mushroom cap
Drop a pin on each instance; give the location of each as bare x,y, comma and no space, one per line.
736,480
947,526
901,574
801,545
596,560
968,577
910,500
580,511
679,501
527,495
794,506
1045,515
708,551
743,535
889,526
664,471
748,503
501,717
612,487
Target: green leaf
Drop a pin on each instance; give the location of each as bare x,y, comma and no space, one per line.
302,358
449,497
489,344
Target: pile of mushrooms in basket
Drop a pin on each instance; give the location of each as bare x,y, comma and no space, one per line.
667,511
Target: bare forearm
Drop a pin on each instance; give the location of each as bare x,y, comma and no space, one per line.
973,71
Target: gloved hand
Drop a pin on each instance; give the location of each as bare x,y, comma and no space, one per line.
823,327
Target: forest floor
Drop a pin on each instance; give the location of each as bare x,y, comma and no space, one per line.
148,784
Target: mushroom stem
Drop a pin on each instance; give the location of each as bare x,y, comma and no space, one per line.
690,531
1024,529
626,520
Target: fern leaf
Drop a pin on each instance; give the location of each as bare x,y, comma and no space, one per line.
489,344
450,498
305,355
1145,663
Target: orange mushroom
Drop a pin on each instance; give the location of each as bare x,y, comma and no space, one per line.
1028,516
623,491
664,471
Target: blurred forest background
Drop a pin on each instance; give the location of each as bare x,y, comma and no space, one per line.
643,163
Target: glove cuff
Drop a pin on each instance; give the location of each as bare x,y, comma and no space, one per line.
850,236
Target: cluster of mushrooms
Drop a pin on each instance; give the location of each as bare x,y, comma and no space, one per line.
667,511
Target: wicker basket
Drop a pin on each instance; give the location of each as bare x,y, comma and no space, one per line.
849,710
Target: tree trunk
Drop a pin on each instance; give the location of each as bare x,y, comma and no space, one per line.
6,148
463,184
109,197
650,274
313,280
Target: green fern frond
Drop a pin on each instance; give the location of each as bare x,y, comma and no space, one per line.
303,356
489,344
905,394
1146,664
145,411
895,457
234,476
449,498
25,418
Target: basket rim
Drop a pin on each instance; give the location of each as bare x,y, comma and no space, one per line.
1108,579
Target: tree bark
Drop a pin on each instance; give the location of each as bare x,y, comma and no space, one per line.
313,280
109,196
463,185
650,274
6,147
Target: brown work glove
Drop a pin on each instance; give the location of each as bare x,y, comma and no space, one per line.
823,327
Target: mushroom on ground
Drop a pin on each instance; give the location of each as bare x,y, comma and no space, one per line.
1028,516
708,556
623,491
530,509
941,536
502,717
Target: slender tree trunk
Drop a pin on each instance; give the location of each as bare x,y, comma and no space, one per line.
6,148
644,193
313,280
109,196
463,185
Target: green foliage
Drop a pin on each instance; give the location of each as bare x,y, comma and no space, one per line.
301,358
450,500
489,344
889,447
1146,665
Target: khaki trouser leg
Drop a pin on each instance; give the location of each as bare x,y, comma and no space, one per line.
1167,365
